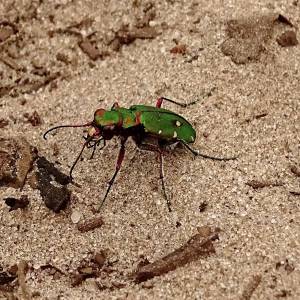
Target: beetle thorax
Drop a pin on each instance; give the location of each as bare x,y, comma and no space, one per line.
104,118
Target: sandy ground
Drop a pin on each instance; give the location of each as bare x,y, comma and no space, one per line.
253,112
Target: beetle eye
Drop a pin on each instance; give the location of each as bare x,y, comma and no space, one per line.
99,112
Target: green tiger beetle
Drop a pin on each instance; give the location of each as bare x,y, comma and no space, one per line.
151,128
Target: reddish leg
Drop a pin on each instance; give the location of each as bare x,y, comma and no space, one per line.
160,100
118,167
115,105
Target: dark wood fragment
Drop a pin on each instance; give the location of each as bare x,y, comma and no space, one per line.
251,287
200,245
90,224
295,171
261,184
15,203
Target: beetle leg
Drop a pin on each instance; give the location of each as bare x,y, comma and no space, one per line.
159,150
77,159
197,153
160,100
96,144
118,167
161,160
115,105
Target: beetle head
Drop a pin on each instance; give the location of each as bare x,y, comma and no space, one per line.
93,138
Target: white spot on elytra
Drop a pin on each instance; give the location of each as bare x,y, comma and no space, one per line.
175,135
192,138
178,123
160,132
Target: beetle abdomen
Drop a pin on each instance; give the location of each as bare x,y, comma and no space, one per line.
165,123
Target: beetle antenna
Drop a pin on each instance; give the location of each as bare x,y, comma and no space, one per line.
64,126
197,153
77,158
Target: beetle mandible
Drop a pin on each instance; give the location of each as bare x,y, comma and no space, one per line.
152,128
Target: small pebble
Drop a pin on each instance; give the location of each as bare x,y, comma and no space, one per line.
76,216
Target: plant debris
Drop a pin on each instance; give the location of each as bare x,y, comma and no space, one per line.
90,49
3,123
251,287
91,269
203,205
200,245
26,86
6,278
90,224
261,184
63,58
179,49
287,39
295,171
286,265
100,258
15,203
5,33
34,118
16,160
10,63
283,293
53,270
22,270
126,36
